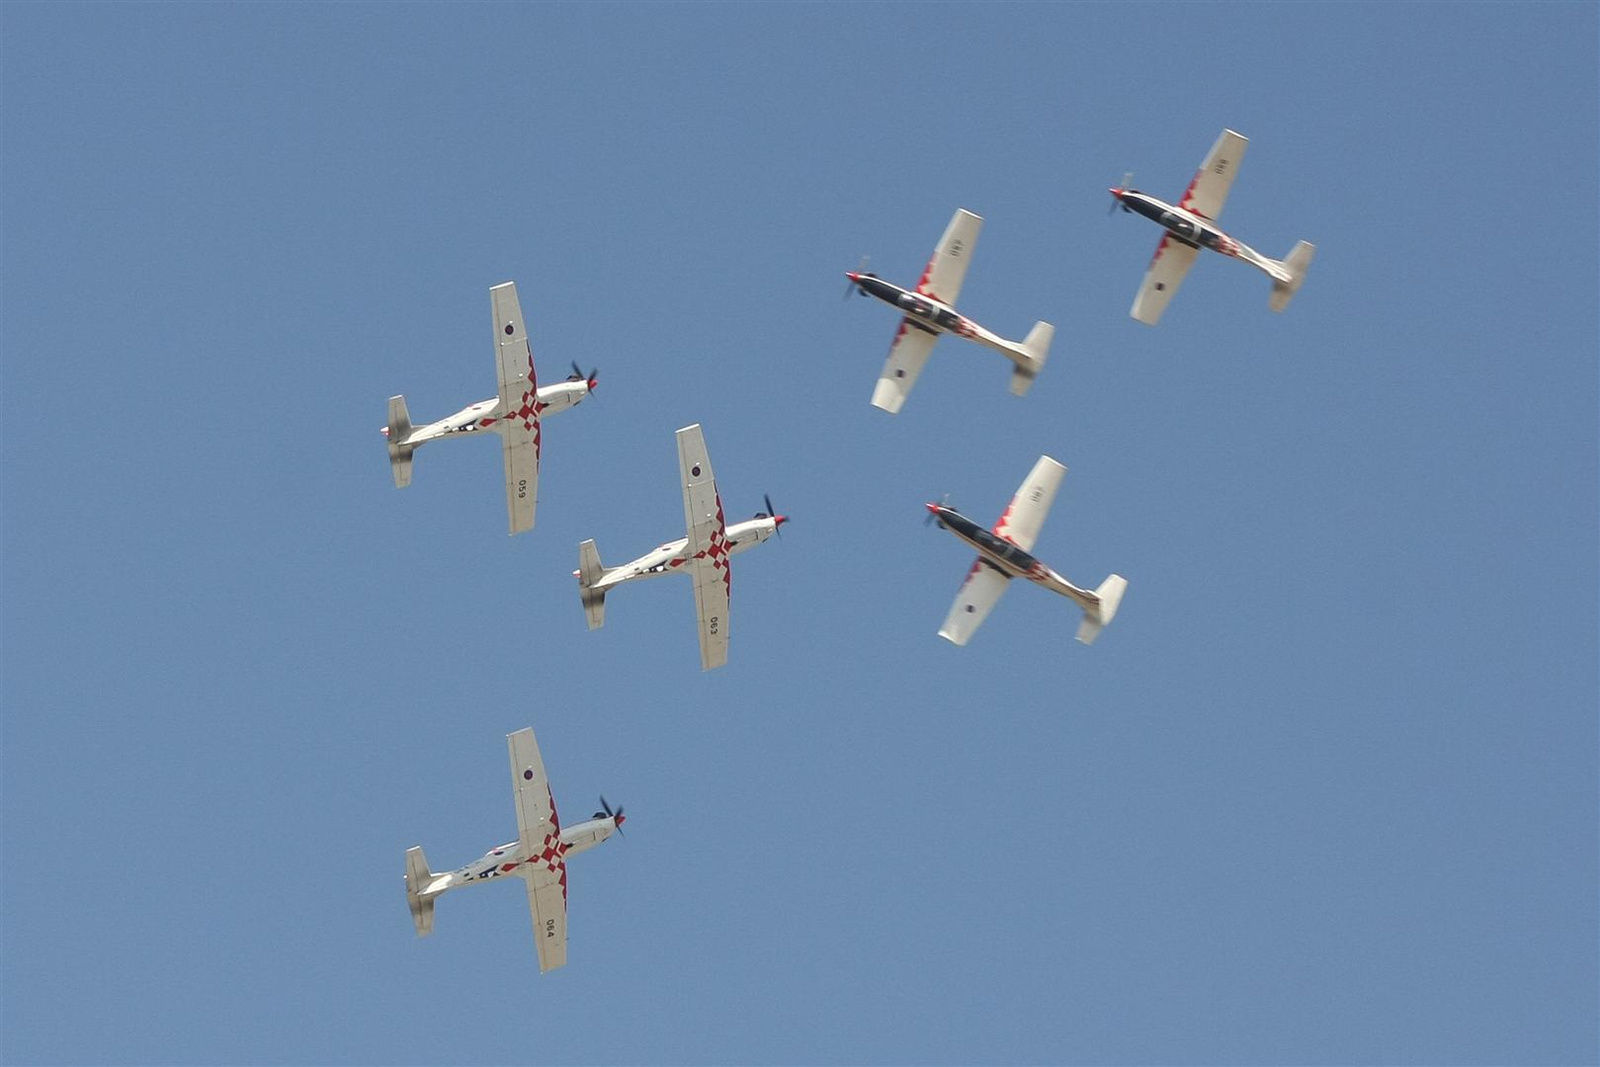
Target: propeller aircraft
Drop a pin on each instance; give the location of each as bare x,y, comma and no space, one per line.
1003,554
704,555
514,414
1190,226
538,856
929,310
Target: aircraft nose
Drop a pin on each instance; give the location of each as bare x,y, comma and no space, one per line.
620,818
933,509
779,520
1117,192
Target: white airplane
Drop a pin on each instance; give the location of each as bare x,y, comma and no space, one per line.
930,311
538,856
1190,227
1003,555
514,414
703,555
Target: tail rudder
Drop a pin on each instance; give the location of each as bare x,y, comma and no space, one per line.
1294,265
398,430
589,572
1035,350
1109,598
418,878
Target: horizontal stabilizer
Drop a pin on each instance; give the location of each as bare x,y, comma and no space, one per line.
1035,349
397,431
1294,264
590,571
1109,598
418,880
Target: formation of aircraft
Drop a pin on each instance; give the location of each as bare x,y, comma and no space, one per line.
704,555
1190,226
1003,554
514,414
538,856
929,310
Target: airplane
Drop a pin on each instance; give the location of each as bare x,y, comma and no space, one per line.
538,856
1191,226
703,555
929,310
1003,554
514,414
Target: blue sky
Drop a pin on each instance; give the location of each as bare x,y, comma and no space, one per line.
1324,793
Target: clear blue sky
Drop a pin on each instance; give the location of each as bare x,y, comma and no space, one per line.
1324,793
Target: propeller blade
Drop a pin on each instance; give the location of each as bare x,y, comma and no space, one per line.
861,268
1127,180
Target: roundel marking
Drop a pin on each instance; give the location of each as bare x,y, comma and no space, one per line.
695,470
510,329
527,775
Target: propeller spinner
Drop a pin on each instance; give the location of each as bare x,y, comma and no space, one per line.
854,276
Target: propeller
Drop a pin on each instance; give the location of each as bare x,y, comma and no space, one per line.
605,812
772,514
933,516
1121,186
592,379
861,268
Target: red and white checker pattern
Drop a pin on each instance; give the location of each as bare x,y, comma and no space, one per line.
1002,527
551,854
528,412
717,551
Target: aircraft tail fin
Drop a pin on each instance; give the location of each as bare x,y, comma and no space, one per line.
1109,597
1035,350
418,880
1294,265
589,572
398,430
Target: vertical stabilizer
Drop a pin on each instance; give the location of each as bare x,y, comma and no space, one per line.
418,879
590,571
397,431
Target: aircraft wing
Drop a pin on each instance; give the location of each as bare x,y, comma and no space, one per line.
1167,270
907,356
519,420
707,550
547,902
539,836
1024,516
942,277
1209,190
521,453
976,598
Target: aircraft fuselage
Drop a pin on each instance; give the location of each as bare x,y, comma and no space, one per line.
488,414
933,316
507,859
925,313
1007,558
1194,230
671,557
